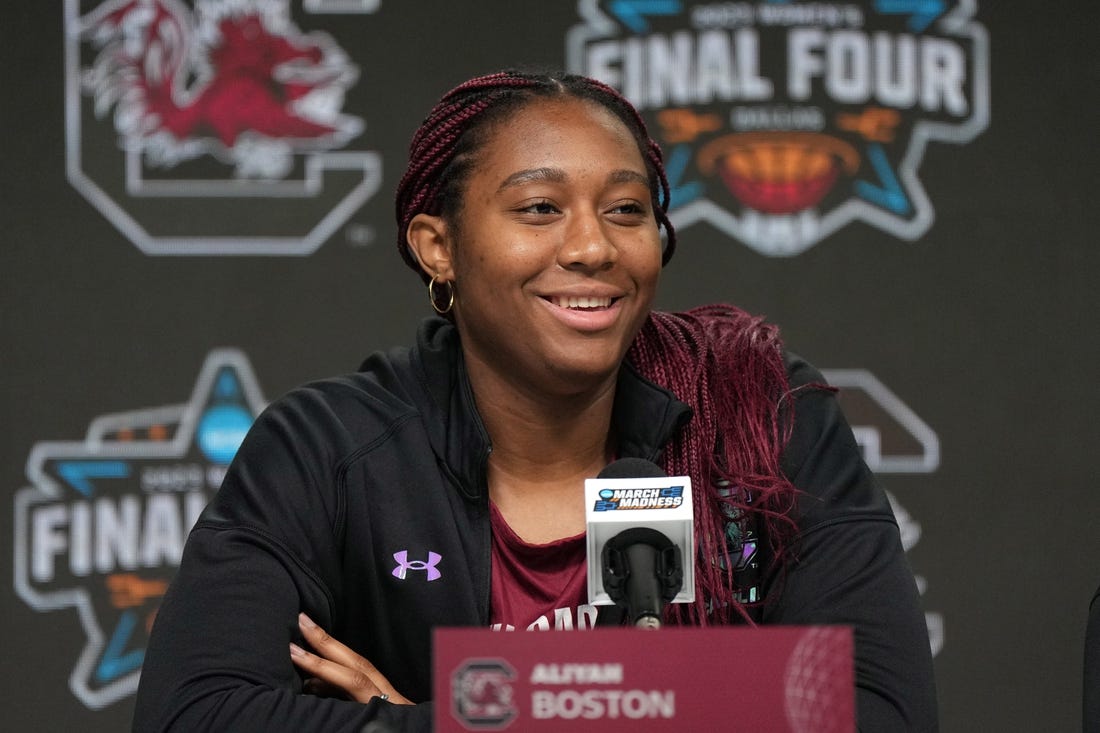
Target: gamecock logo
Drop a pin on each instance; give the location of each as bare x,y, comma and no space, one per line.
228,118
482,694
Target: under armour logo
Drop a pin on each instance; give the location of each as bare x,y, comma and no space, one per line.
404,565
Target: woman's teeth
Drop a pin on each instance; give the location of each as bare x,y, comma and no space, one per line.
581,302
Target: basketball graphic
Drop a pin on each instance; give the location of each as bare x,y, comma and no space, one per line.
778,172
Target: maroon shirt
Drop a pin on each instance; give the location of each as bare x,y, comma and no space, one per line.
537,587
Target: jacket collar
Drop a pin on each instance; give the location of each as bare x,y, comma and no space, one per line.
645,416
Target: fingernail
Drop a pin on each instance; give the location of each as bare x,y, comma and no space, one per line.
296,651
306,621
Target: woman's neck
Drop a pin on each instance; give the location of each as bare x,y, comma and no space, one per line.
543,431
544,446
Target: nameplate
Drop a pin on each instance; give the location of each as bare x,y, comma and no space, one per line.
779,678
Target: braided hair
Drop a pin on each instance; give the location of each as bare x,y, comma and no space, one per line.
726,365
443,150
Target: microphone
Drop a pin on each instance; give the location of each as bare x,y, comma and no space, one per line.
641,540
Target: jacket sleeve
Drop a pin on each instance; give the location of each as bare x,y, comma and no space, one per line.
267,547
847,566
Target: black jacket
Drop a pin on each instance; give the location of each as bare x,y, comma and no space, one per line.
343,489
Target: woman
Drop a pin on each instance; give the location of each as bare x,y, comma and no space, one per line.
441,485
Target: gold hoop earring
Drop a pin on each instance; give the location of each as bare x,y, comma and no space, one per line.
433,297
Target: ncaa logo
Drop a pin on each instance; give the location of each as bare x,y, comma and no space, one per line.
215,127
784,121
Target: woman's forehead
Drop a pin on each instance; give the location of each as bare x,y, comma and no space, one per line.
547,127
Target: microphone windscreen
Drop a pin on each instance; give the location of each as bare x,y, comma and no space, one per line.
632,468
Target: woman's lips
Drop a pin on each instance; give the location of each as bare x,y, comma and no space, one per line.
584,312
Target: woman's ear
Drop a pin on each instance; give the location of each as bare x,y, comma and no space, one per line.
429,238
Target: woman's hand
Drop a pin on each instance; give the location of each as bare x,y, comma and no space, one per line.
336,668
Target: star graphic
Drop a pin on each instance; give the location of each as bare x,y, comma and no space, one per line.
769,138
101,528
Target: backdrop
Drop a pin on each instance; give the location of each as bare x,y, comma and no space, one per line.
197,217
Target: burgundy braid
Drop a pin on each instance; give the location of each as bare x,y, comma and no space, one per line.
441,148
728,366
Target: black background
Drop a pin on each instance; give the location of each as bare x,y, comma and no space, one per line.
984,326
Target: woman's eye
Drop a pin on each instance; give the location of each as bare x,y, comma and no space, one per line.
540,207
628,208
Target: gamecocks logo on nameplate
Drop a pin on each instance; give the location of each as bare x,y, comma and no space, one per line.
482,697
216,127
783,122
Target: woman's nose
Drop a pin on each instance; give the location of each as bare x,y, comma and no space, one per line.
587,244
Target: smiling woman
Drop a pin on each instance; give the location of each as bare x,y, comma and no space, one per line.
556,210
442,484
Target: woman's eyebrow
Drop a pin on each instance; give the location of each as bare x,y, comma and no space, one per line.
628,176
557,175
553,175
